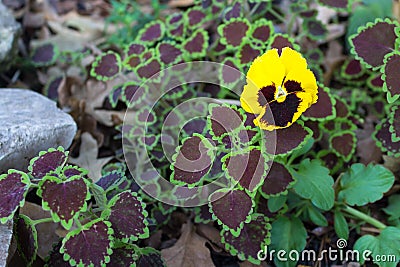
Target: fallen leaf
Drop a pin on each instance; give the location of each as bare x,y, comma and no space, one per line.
189,250
46,231
88,157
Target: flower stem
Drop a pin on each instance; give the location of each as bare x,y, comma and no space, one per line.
366,218
43,220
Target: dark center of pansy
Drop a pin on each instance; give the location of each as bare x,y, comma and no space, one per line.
282,112
266,95
292,86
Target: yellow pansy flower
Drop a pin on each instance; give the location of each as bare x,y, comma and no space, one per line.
279,89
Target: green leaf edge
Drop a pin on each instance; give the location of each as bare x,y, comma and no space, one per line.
41,153
172,43
380,144
221,28
56,54
145,28
96,63
29,222
188,55
395,138
390,98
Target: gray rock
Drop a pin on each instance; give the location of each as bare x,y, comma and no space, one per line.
9,34
6,232
29,124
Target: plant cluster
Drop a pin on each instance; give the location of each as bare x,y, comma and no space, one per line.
306,172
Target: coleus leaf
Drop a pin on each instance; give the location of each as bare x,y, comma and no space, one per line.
149,69
26,236
394,120
224,119
342,110
111,180
352,68
234,11
383,138
248,168
287,139
53,86
229,73
308,14
231,209
133,93
64,199
315,55
134,49
277,182
47,161
123,255
373,41
344,144
317,30
106,66
196,45
128,216
390,76
372,180
89,246
178,32
45,55
145,116
255,236
339,5
247,52
330,160
203,214
13,188
150,257
169,52
234,32
261,31
279,41
192,161
115,95
55,258
324,109
195,16
151,33
375,82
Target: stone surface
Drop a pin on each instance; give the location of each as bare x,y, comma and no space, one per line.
9,34
6,231
29,124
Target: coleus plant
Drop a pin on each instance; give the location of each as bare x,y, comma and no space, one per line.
103,219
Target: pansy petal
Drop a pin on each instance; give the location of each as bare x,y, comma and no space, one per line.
292,60
266,70
306,79
278,115
249,99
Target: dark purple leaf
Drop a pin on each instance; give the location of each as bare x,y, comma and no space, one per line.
314,126
249,168
342,111
169,53
52,88
152,32
47,161
229,71
316,29
70,171
149,257
26,236
374,41
115,95
132,94
127,215
13,189
287,139
178,31
383,138
45,55
278,180
376,82
234,31
195,16
342,4
123,256
254,236
64,199
132,62
111,180
280,41
234,11
262,30
247,53
106,66
203,214
149,68
344,144
192,161
352,69
223,120
90,246
175,18
231,208
323,109
308,14
146,116
395,123
135,49
55,258
392,74
196,125
196,45
330,160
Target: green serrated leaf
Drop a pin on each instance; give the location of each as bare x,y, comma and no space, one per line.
383,246
276,203
365,184
393,209
287,234
314,183
316,216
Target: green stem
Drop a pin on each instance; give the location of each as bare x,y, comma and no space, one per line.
366,218
276,14
44,220
78,223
